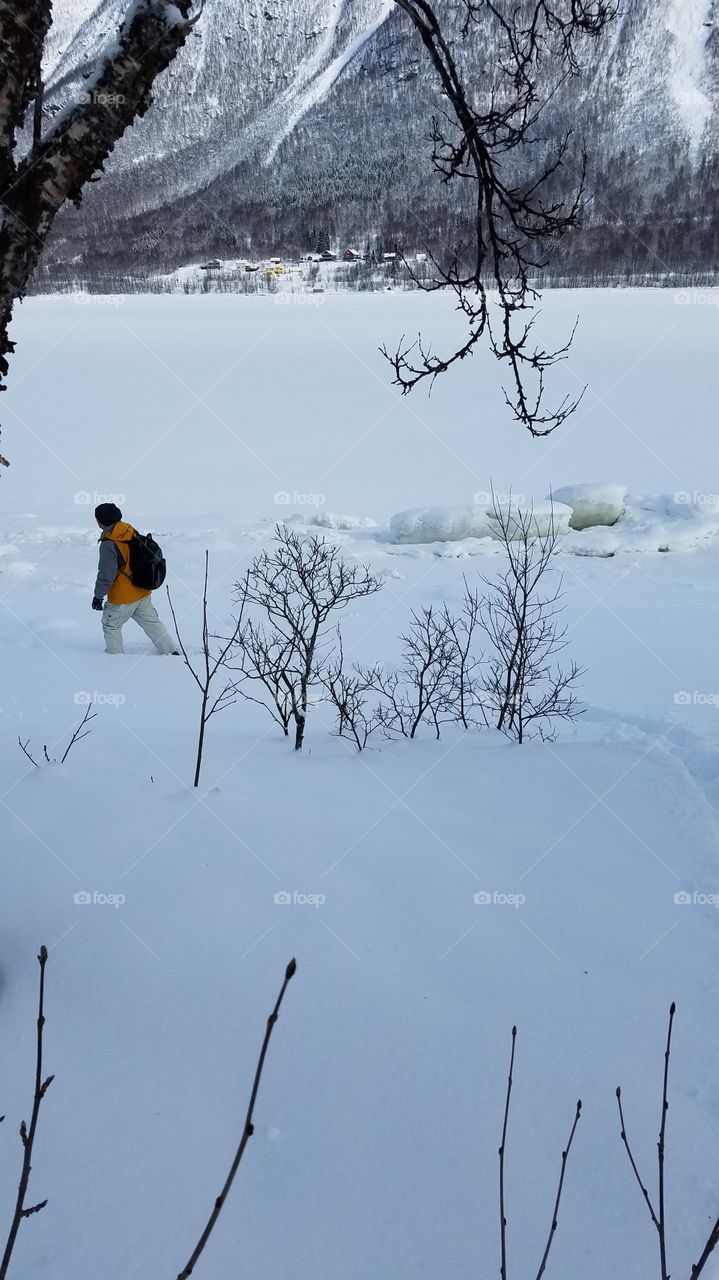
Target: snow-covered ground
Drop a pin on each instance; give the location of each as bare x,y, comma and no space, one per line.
208,419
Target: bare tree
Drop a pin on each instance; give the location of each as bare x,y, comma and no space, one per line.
299,585
247,1130
77,735
27,1133
658,1215
461,628
524,689
210,665
56,165
502,1190
266,658
436,679
349,693
488,131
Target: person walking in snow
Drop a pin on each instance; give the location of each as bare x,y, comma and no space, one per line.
114,580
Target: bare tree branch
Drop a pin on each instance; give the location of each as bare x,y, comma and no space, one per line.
512,221
210,666
27,1135
247,1131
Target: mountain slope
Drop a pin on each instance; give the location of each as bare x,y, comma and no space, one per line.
274,122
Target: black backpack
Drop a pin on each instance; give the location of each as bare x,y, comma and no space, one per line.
146,563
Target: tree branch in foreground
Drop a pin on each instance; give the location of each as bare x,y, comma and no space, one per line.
560,1186
247,1131
27,1135
487,140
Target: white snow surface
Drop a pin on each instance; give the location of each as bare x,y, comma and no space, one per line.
593,504
594,859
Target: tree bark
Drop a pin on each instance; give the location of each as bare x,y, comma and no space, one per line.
80,139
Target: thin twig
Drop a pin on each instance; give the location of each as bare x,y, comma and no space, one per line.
24,748
247,1131
661,1146
502,1218
555,1213
78,735
27,1135
632,1161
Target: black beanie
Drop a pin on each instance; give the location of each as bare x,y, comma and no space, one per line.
107,513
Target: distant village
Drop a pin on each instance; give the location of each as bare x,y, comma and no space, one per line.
284,266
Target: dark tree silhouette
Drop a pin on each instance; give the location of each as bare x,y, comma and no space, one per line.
487,137
58,162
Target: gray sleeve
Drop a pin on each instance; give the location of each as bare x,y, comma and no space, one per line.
108,568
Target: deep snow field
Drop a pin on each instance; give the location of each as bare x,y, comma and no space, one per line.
375,1150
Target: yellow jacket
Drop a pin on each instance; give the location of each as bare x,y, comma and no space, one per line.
119,589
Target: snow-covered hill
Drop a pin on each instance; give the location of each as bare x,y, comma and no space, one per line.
321,110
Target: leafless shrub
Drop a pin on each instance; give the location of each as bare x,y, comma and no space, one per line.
524,690
502,1193
349,692
299,585
423,687
210,665
657,1214
247,1130
27,1133
77,735
436,682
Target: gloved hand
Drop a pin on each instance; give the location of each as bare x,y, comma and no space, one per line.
96,604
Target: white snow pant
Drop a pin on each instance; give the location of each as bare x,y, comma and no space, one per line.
114,617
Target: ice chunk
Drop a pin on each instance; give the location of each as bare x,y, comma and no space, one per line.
538,518
593,504
440,524
452,524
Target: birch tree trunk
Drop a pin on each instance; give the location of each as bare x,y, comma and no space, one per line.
79,140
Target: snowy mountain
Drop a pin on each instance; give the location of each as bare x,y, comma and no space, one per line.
276,120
